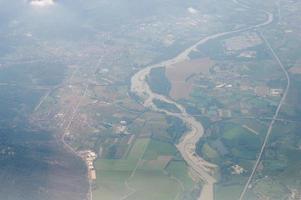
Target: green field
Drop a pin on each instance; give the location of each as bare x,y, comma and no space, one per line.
166,106
231,189
127,164
179,170
273,189
112,174
209,153
143,172
158,81
240,144
153,185
156,148
228,192
157,155
110,184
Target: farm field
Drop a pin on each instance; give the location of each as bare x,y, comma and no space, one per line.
147,169
180,76
150,100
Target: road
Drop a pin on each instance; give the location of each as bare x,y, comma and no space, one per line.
67,131
274,119
71,120
187,144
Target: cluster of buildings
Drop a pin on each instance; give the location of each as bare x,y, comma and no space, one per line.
89,156
121,128
295,195
264,91
236,169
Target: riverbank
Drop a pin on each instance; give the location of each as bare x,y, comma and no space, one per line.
187,145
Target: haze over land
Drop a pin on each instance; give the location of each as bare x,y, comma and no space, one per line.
150,99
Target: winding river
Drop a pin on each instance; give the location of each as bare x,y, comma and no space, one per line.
187,145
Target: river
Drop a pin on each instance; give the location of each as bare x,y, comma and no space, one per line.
187,144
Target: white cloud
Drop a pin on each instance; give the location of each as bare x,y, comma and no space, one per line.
42,3
192,10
